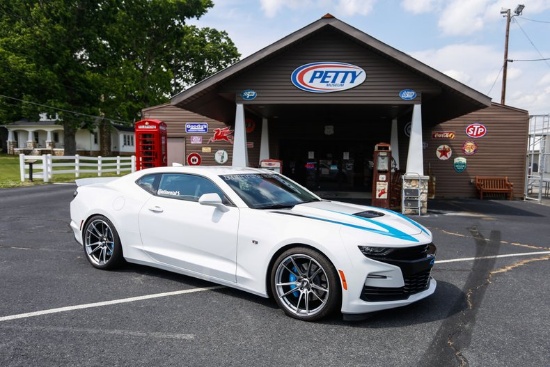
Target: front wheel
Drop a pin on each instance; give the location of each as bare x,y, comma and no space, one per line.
101,243
305,284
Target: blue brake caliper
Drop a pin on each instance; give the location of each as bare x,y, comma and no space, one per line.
292,278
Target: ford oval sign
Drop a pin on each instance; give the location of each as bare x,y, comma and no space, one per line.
249,94
407,94
327,77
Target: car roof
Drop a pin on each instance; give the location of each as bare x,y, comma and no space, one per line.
206,170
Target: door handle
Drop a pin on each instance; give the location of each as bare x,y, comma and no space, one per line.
156,209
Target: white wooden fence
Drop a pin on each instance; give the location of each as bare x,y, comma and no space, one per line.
43,167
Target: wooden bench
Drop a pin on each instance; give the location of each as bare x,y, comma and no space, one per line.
494,185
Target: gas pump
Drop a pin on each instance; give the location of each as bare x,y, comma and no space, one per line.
150,144
381,175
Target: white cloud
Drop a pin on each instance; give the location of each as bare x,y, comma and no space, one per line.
420,6
272,8
356,7
545,80
463,17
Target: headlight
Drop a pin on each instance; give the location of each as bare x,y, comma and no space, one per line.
370,251
75,193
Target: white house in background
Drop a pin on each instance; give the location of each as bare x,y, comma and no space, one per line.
46,137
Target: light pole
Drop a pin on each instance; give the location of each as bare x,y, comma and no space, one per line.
517,11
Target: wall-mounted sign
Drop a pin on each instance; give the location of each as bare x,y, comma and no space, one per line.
327,77
443,135
206,149
221,156
476,130
249,95
222,134
407,129
196,139
194,159
407,94
250,125
196,127
444,152
329,130
460,164
469,147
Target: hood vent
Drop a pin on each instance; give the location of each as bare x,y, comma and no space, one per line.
369,214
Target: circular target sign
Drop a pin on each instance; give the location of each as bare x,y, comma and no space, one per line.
194,159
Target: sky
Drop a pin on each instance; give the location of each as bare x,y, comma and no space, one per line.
464,39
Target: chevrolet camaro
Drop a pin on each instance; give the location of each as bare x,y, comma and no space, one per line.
258,231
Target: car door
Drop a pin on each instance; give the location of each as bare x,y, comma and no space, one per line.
178,231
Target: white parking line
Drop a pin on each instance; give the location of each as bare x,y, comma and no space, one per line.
106,303
194,290
492,257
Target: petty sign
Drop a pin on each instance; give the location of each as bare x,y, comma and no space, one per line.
476,130
327,77
194,159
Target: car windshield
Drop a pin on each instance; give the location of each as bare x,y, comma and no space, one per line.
268,191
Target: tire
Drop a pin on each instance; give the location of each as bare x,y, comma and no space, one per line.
101,243
305,284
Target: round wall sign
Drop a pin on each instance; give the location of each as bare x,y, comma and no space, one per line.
444,152
221,156
469,147
194,159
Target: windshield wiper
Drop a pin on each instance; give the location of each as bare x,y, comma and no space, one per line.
277,206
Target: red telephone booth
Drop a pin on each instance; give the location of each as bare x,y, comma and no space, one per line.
150,144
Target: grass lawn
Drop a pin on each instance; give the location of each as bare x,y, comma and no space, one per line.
10,175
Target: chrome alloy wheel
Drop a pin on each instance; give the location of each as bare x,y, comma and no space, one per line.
301,285
99,242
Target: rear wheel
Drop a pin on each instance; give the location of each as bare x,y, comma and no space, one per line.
101,243
305,284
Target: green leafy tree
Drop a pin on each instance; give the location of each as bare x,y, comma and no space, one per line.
102,58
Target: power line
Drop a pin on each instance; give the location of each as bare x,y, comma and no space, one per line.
536,21
548,58
535,47
62,110
489,92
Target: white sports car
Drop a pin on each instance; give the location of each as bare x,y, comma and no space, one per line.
257,231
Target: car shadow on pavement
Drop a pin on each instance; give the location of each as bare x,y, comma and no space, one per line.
444,303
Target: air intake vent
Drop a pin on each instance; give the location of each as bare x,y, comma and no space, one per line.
369,214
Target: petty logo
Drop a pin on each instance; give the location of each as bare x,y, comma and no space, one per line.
327,77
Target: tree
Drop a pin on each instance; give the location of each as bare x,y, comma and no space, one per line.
90,58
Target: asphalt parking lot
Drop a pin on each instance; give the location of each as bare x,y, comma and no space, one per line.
490,308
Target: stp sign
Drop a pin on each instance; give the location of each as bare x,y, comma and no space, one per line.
194,159
476,130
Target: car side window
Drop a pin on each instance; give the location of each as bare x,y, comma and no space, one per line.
149,183
187,187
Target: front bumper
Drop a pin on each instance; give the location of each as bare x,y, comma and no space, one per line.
398,278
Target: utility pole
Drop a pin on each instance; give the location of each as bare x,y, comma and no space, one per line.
517,11
505,66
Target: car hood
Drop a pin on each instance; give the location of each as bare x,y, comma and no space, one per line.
367,218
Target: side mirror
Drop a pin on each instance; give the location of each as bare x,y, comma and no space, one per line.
213,199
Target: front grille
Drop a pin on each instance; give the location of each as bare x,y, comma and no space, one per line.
415,283
416,265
